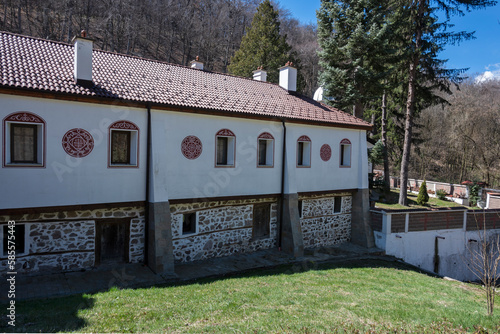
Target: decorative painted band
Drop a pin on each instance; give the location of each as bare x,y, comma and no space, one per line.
220,199
80,207
327,192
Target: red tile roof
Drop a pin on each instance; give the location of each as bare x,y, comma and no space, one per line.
43,65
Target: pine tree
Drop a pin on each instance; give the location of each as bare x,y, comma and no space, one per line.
423,38
423,196
376,155
353,36
263,46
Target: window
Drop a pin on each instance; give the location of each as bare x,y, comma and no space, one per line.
221,150
265,150
304,152
123,144
23,143
300,208
337,205
261,221
189,223
345,153
24,140
225,148
120,147
19,232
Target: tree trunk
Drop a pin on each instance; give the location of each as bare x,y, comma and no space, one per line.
374,128
405,161
410,103
384,140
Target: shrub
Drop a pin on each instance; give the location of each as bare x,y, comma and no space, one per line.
423,196
474,194
441,194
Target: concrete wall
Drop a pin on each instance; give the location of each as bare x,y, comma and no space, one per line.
438,241
455,190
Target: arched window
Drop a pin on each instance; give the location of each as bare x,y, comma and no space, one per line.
345,153
123,144
24,140
265,150
225,146
304,151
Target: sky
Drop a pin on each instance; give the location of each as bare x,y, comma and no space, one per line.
481,55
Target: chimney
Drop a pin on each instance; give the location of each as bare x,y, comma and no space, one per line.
260,74
83,59
196,63
288,77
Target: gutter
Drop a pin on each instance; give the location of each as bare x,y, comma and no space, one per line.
282,207
148,179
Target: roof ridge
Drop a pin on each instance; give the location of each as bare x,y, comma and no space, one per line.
33,37
137,57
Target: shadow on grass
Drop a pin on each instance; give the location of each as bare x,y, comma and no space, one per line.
49,315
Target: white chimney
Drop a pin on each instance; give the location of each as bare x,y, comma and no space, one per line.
260,74
196,63
83,58
288,77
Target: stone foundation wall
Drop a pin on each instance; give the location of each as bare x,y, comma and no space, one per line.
137,240
223,228
320,225
65,241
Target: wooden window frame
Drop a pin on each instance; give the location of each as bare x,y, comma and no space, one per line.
337,199
230,148
24,119
34,160
128,149
301,154
269,139
133,146
343,144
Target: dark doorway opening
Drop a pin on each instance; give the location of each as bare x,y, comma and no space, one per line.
112,242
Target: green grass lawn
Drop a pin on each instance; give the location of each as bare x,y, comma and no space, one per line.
391,202
365,296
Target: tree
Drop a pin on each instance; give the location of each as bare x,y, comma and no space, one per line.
423,196
425,37
484,260
461,141
353,36
262,45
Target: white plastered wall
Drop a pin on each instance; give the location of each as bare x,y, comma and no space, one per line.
66,180
72,181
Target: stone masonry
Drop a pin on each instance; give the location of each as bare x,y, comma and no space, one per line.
321,226
65,241
223,228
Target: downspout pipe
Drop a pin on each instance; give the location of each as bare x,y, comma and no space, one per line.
282,207
148,179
